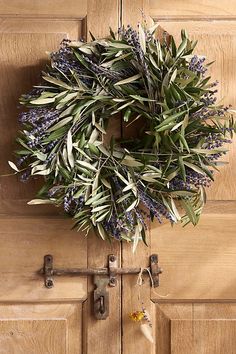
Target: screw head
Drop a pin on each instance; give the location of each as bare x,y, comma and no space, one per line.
112,281
49,283
154,258
112,258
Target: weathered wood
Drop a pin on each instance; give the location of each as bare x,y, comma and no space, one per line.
103,337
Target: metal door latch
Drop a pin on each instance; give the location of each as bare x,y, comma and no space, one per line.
103,277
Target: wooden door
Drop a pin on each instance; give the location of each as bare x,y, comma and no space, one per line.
193,311
34,319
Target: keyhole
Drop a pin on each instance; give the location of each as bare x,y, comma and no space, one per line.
102,305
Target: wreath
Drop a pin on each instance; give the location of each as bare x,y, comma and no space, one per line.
114,185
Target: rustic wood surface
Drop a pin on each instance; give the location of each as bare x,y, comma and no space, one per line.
193,311
192,10
197,314
41,328
103,337
195,328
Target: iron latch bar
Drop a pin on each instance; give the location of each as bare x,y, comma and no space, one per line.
102,278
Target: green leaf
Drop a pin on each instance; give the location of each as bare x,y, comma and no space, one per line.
98,126
182,193
189,211
40,201
127,115
41,156
170,119
132,205
101,207
87,165
128,80
101,231
142,38
137,236
184,142
175,210
194,167
43,172
182,47
94,198
129,161
93,149
56,82
42,101
105,182
69,149
182,168
121,178
104,150
165,127
209,152
13,166
119,45
109,63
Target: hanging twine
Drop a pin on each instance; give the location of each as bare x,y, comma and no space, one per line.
140,281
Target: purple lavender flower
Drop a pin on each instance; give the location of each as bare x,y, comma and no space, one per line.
72,205
208,98
193,179
40,119
196,65
25,176
132,38
156,208
64,59
215,141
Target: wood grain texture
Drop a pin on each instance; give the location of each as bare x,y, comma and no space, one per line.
23,55
194,257
134,297
49,8
103,337
195,328
191,9
203,337
217,40
41,328
23,243
134,12
199,263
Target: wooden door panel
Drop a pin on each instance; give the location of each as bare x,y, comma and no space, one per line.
49,9
195,328
41,328
23,46
217,41
198,262
33,319
192,9
197,259
23,243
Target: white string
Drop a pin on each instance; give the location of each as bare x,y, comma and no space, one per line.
140,281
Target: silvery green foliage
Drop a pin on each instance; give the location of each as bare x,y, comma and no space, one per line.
115,186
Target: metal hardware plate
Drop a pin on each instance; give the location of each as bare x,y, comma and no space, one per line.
48,271
102,278
101,297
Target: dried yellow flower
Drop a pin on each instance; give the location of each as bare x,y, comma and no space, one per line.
136,316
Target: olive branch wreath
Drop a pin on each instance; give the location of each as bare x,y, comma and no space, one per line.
115,185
